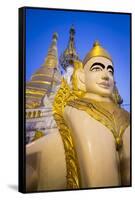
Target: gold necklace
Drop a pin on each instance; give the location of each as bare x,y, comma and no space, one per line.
109,114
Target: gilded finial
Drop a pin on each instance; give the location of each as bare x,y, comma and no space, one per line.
55,35
96,43
72,30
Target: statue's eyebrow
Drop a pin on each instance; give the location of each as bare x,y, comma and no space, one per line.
98,63
110,67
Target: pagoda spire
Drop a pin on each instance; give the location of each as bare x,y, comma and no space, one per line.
52,58
44,78
70,53
71,43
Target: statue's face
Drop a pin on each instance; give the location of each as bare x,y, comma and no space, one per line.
99,79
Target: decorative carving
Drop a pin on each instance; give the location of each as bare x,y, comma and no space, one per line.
109,114
64,95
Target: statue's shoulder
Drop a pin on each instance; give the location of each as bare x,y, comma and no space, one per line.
71,112
125,115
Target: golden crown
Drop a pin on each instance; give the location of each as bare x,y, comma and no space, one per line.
96,51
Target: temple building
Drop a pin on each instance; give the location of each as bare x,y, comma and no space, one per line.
43,85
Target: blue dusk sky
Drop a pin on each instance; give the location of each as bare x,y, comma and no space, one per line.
111,30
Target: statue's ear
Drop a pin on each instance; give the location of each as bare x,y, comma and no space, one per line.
81,79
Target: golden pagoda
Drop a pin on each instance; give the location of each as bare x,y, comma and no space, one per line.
44,79
42,88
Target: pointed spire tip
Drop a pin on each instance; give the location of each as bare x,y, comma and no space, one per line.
55,35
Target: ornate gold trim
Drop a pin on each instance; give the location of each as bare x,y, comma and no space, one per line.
63,95
109,114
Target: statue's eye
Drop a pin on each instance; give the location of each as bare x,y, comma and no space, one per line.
95,69
111,72
110,69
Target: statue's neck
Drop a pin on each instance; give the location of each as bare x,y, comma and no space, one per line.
97,97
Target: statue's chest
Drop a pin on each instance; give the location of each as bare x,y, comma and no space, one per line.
96,150
109,115
90,132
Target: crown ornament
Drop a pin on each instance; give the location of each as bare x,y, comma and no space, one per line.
97,51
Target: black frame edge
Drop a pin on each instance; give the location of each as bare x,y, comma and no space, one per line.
21,106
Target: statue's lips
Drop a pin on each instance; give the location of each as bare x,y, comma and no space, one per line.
104,85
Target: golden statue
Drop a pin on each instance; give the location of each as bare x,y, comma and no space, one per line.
91,147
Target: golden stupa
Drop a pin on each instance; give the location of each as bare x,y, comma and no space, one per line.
44,78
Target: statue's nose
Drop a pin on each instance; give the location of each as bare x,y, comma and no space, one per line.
105,76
